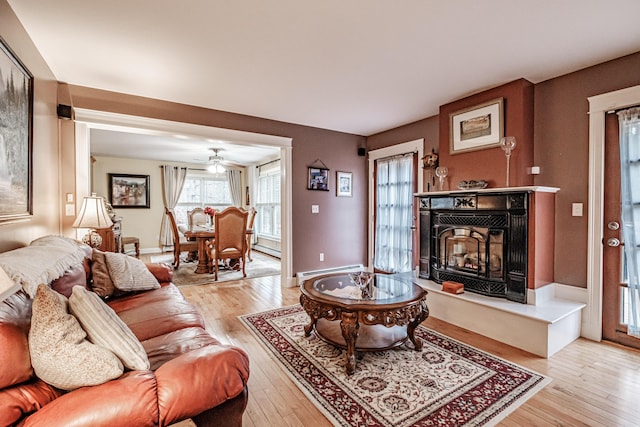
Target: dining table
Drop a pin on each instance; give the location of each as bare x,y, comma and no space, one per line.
203,234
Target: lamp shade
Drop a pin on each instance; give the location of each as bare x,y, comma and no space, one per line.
93,214
7,286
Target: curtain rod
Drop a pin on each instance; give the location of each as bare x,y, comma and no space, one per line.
189,169
268,163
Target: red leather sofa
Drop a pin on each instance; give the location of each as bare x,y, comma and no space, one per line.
192,374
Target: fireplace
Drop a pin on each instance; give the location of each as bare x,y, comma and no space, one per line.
484,240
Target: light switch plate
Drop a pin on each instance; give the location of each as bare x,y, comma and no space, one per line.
315,208
576,209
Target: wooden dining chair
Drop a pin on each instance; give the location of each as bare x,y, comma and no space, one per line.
230,240
197,217
179,244
252,220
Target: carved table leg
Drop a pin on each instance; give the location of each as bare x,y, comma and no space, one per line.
349,326
304,302
411,327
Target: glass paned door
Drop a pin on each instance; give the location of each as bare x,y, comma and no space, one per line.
394,223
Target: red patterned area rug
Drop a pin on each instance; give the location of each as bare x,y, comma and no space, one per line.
448,383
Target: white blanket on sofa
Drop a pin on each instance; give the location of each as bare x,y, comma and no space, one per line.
44,260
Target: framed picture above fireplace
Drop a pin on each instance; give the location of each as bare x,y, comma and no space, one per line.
477,127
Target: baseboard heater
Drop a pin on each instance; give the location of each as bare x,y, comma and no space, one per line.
305,275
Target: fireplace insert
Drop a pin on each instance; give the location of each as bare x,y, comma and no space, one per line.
476,239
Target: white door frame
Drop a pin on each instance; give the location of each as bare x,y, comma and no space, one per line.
415,146
599,105
87,119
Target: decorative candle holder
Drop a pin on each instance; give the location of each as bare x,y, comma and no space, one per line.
508,144
362,280
441,173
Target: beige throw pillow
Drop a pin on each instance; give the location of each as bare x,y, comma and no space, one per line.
106,329
130,274
60,354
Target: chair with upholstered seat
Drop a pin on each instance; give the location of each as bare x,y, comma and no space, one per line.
130,240
179,243
230,240
252,220
197,217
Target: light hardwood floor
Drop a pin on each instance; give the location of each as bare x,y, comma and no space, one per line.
594,384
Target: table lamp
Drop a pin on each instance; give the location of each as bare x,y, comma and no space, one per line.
7,286
93,214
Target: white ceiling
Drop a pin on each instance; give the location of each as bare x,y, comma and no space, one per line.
357,66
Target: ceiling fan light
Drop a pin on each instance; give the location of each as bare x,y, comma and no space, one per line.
216,168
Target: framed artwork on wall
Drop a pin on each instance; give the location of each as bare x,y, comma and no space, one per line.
477,127
318,179
128,191
16,147
344,184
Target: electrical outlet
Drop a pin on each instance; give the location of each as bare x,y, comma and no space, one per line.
70,209
321,256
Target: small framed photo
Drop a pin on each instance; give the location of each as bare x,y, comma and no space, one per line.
476,128
128,191
344,184
318,179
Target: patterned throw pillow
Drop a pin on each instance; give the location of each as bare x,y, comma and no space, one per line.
60,354
106,329
102,284
130,274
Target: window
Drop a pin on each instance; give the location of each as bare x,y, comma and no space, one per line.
268,205
201,191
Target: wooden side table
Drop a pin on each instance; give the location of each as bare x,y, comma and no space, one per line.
111,236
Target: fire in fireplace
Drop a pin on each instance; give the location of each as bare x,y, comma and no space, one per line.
479,240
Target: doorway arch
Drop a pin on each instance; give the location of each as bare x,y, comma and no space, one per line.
86,119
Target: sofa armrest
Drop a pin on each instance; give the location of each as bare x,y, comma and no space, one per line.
21,400
129,400
162,272
199,380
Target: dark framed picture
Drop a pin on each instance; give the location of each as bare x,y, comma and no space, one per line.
128,191
476,128
16,150
318,179
344,184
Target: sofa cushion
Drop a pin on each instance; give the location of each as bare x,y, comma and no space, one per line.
15,318
104,328
101,283
129,274
158,312
74,276
60,354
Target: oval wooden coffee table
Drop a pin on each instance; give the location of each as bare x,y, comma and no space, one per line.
381,317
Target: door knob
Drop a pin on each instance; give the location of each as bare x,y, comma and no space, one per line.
613,225
613,242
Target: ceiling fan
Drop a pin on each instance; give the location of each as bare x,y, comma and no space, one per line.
214,164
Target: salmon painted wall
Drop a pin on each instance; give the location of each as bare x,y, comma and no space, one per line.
339,230
559,145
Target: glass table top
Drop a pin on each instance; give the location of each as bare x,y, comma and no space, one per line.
381,288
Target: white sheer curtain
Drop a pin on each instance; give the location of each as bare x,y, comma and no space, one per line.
630,191
235,186
394,198
173,179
